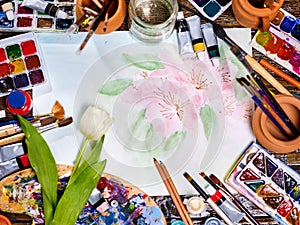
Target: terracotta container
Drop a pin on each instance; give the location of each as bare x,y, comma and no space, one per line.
117,13
253,17
4,220
268,135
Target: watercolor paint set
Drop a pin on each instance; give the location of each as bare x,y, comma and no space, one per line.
211,9
30,19
282,42
21,63
269,183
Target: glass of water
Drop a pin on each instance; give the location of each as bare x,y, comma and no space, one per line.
152,20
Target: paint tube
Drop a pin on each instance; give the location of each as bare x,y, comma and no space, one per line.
211,43
45,7
7,8
194,24
184,36
13,165
11,151
97,201
227,207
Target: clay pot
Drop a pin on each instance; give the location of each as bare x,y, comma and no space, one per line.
117,12
268,135
4,220
257,18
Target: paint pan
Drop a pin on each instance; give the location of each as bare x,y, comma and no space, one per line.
27,19
269,183
281,42
21,63
211,9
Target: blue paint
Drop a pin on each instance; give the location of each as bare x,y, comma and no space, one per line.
21,80
212,8
201,3
4,22
296,31
288,23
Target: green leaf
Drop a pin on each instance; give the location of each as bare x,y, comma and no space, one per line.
44,165
144,61
76,195
174,140
208,119
115,87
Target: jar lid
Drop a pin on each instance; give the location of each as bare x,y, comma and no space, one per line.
212,221
16,99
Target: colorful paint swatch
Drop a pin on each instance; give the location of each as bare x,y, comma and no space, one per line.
26,19
211,8
22,63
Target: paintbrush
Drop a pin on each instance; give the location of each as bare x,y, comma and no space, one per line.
20,136
57,111
15,128
95,25
218,185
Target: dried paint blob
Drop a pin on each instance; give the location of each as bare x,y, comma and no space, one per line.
286,51
274,44
277,20
13,52
24,10
263,38
24,21
288,23
4,69
295,59
2,55
278,178
296,31
21,80
36,77
63,24
285,207
32,62
28,47
271,167
273,202
6,85
17,66
44,22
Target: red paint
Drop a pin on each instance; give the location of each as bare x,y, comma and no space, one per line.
28,47
24,22
274,44
285,207
24,161
24,10
4,70
2,55
32,62
286,51
249,174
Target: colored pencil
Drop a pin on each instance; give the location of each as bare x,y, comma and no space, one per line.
173,192
280,73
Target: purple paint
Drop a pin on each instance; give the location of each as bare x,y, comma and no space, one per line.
21,80
36,77
295,59
287,24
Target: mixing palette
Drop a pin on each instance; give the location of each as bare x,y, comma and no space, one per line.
269,183
27,19
21,63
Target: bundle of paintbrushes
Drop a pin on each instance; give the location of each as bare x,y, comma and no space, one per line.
268,104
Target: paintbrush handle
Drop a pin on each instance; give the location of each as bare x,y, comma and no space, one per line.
266,75
9,131
12,139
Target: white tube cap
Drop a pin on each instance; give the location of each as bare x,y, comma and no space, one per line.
10,14
61,14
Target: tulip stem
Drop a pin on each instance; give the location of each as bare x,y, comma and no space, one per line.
78,160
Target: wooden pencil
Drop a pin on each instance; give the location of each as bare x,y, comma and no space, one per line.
173,192
280,73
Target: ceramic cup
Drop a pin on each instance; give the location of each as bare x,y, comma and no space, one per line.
251,16
4,220
117,12
268,135
152,20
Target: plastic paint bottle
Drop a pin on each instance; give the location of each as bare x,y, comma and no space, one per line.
7,8
184,36
19,102
227,207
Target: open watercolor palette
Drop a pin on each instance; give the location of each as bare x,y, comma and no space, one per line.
269,183
281,42
27,19
124,203
22,64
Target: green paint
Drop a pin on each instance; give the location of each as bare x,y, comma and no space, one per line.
174,140
240,93
115,87
144,61
208,119
13,52
263,38
141,129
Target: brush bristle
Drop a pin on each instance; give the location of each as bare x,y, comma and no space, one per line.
58,110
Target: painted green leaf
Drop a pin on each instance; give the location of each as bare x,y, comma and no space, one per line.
115,87
174,140
240,93
141,128
208,119
44,165
144,61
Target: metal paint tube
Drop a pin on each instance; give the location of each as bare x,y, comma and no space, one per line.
194,24
13,165
11,151
227,207
8,8
211,43
98,201
45,7
184,36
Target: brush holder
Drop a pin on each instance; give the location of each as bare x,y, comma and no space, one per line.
250,16
117,12
268,135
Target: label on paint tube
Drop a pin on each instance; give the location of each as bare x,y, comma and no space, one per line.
11,151
98,201
184,36
211,42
